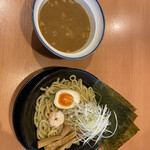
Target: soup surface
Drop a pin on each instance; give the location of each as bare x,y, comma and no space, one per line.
64,24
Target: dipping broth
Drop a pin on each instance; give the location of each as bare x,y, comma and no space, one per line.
64,24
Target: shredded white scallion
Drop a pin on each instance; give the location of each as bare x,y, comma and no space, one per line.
91,121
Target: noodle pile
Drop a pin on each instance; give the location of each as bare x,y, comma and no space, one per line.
45,104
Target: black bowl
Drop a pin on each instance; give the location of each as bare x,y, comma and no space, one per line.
24,106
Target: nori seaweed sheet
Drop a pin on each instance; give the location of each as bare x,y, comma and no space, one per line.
125,115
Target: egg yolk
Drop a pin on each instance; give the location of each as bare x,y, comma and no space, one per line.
65,99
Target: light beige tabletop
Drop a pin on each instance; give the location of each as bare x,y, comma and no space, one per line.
122,61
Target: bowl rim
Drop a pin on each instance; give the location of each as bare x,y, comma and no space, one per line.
65,57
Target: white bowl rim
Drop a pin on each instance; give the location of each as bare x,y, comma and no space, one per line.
65,57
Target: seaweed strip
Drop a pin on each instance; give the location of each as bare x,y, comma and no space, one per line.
117,96
125,114
100,86
128,130
132,130
129,133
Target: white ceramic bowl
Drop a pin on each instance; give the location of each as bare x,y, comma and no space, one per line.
96,16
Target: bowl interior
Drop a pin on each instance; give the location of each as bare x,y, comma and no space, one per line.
96,17
27,124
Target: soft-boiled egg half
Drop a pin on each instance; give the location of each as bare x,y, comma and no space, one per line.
66,99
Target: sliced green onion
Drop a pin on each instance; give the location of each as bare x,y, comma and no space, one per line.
47,97
74,120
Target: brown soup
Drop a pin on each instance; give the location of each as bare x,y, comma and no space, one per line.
64,24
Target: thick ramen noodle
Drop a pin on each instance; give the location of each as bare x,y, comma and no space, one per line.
45,104
64,24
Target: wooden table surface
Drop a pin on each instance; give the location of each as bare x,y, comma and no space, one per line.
122,61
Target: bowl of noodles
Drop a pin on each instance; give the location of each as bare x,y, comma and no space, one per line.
37,102
66,108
